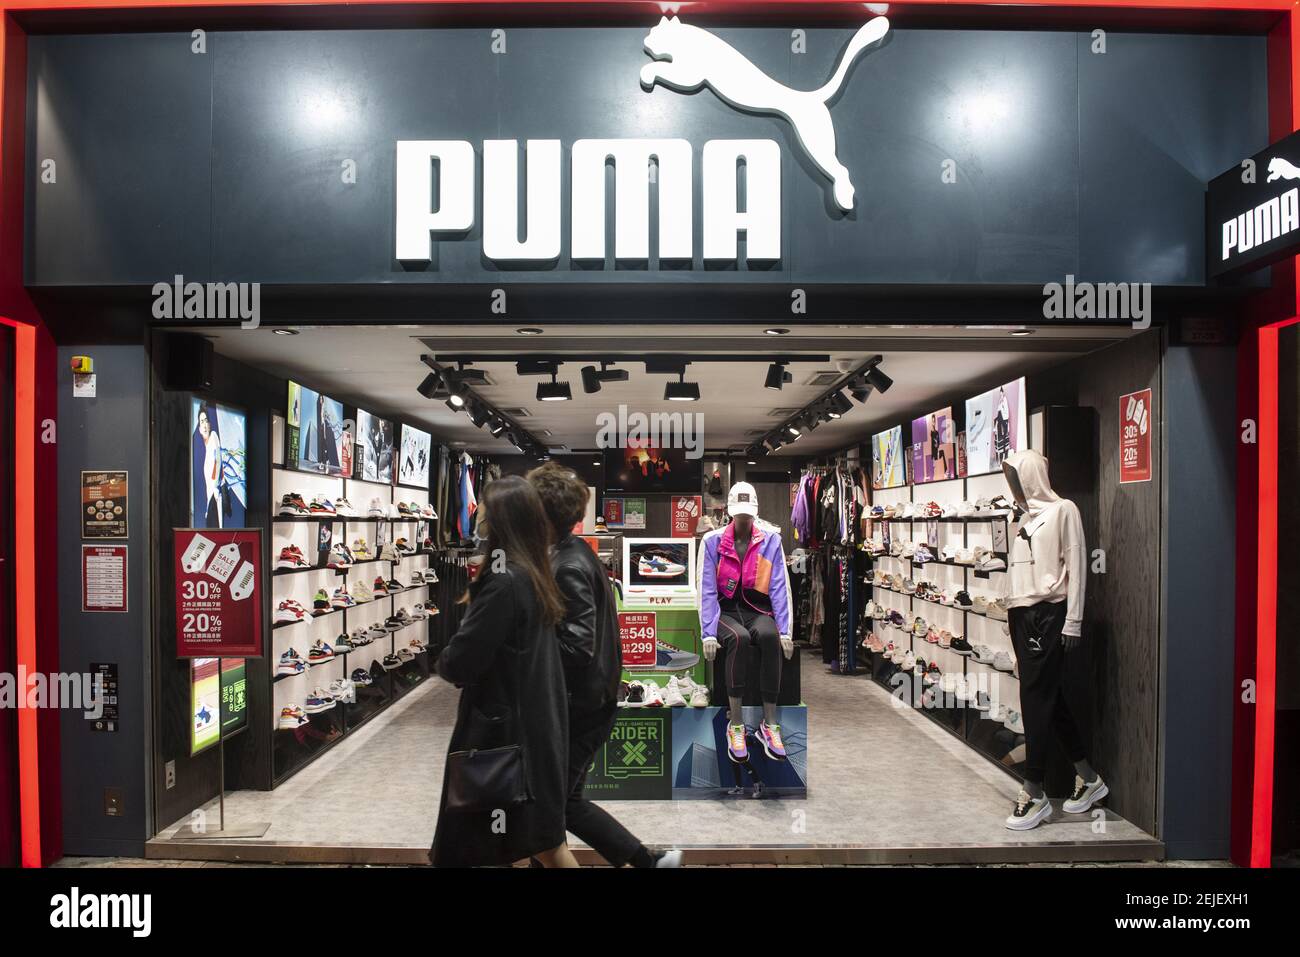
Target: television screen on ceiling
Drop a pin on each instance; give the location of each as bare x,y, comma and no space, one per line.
648,468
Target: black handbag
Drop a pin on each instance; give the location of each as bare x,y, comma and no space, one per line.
488,778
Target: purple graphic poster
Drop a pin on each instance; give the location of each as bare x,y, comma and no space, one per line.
934,447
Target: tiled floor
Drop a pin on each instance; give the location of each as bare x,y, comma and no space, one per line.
879,776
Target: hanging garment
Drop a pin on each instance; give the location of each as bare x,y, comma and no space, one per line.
468,499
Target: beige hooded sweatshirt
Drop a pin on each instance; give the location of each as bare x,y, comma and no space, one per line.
1048,560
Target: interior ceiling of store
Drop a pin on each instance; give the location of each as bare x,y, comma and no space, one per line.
379,368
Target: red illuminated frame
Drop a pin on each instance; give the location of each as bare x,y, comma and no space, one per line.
1257,515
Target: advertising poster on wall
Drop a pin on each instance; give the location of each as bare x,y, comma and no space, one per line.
320,433
218,466
413,460
887,459
374,448
934,447
995,427
103,504
686,515
234,696
634,513
218,592
205,703
613,512
1135,413
292,417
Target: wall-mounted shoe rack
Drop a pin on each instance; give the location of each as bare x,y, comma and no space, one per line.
391,678
974,720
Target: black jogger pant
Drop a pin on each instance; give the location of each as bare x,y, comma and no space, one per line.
608,838
1036,637
739,629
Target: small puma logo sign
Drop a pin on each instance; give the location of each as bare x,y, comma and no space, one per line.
688,58
1278,168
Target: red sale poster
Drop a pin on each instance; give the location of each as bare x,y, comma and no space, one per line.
687,510
218,592
636,629
1136,421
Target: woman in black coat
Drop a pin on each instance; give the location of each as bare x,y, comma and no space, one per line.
507,660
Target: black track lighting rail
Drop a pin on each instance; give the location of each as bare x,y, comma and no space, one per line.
780,436
664,360
524,440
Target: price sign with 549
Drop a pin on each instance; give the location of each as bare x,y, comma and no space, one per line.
637,631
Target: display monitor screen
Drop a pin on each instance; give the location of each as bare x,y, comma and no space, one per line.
887,468
648,468
318,433
413,458
374,448
218,466
934,447
667,563
995,427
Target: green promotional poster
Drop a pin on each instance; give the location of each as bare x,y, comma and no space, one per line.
633,763
634,513
234,700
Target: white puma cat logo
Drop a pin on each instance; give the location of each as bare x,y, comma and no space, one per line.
1278,168
688,58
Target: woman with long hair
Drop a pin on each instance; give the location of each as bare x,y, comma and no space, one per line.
207,451
506,658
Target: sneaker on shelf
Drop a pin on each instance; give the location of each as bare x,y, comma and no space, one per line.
291,663
319,653
320,603
769,735
919,627
1085,795
388,553
291,557
403,510
361,550
403,547
416,578
289,611
737,750
932,635
673,697
406,655
419,612
909,549
361,678
981,604
1015,722
391,511
931,510
375,509
699,697
432,608
949,552
945,638
376,631
358,638
1028,812
394,586
961,645
908,662
888,653
392,623
932,674
998,712
342,643
964,556
1002,504
993,563
291,504
292,718
341,598
984,654
340,689
361,593
391,662
340,557
317,701
998,609
966,509
430,576
963,599
380,587
654,695
632,694
344,508
908,587
896,549
404,616
320,505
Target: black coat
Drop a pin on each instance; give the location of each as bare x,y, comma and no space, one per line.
504,655
589,641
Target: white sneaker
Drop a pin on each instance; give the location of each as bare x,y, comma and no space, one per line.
1014,723
1085,795
376,509
1003,661
654,695
1028,812
700,697
672,696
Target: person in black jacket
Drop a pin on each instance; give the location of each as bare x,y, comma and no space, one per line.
506,658
593,663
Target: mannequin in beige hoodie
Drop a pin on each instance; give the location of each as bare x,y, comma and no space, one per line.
1046,579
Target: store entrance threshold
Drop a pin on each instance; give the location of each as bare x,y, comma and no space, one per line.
886,786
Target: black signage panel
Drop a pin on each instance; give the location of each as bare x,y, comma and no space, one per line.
1252,212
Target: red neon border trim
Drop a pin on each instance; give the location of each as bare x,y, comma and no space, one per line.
1266,607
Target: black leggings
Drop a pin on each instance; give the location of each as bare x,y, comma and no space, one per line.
1036,636
739,629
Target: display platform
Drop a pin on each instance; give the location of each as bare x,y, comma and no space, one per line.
660,754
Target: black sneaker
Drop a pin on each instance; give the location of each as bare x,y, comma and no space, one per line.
395,585
393,623
960,645
963,599
391,662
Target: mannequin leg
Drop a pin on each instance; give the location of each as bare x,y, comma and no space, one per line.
734,639
768,640
1040,662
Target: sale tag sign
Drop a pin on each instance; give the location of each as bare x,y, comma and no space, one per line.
218,592
687,510
1136,423
636,630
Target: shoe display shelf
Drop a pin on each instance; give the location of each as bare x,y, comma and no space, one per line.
294,749
961,718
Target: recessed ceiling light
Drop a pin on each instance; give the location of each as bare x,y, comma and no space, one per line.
285,332
777,332
1022,332
529,331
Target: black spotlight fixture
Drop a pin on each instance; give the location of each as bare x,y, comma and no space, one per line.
838,404
458,393
777,376
430,386
496,426
878,380
792,429
553,391
593,378
477,414
860,390
681,390
810,421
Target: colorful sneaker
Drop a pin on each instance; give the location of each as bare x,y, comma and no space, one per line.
320,604
319,700
291,557
342,643
289,611
340,557
737,750
376,631
319,653
671,658
403,547
292,718
380,587
361,678
395,586
291,504
341,598
361,593
320,505
343,507
770,737
392,662
403,510
361,551
291,663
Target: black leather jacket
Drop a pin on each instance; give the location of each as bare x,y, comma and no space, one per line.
588,635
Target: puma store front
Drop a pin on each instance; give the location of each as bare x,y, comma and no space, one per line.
929,371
